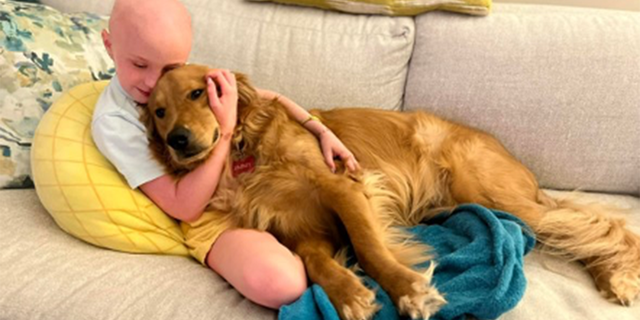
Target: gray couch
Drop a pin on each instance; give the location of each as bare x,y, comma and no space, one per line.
559,86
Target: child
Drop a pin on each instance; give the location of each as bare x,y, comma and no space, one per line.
145,39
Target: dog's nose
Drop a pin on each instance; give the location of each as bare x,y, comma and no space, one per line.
178,138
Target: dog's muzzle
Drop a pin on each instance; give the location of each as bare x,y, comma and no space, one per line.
179,139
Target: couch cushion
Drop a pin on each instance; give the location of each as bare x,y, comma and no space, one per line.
317,58
94,6
558,289
47,274
559,86
42,53
396,7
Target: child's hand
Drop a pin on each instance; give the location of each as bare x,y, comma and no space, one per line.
332,147
224,103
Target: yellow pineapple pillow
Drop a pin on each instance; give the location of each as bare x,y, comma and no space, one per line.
84,193
396,7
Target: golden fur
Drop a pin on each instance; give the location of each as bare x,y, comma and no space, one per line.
414,165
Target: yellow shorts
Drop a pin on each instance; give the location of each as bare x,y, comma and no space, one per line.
202,233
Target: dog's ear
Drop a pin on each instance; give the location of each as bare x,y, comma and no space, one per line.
145,117
157,145
247,94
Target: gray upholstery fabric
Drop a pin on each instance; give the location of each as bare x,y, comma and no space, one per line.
47,274
319,59
559,290
559,86
99,7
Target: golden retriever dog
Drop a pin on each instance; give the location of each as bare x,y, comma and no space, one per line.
414,165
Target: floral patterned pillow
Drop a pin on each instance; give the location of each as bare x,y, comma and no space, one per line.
43,53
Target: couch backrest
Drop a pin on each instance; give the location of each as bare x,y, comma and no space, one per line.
318,58
102,7
559,86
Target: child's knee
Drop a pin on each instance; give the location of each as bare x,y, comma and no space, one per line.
275,281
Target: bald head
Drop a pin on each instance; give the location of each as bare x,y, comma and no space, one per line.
150,18
146,38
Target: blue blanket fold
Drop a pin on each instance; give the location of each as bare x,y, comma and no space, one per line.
479,256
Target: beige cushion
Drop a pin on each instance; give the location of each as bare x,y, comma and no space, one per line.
557,289
317,58
559,86
49,275
93,6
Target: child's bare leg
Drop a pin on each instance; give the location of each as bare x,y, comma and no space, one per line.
258,266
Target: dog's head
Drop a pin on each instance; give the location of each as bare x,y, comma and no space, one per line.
182,128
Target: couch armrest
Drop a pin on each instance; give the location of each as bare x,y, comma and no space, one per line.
559,86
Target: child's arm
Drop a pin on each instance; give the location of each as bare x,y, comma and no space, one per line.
331,145
186,198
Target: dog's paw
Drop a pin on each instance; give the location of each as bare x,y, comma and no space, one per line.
359,306
424,302
624,288
618,276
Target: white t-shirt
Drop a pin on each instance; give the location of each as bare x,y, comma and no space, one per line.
122,138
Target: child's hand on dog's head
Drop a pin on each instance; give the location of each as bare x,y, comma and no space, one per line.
223,99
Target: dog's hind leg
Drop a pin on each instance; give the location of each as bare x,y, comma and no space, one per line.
483,172
351,298
411,291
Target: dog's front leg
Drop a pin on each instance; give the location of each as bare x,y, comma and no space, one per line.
350,297
409,290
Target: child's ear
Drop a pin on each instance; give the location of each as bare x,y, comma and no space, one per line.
106,40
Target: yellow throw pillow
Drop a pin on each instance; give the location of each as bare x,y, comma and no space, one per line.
84,193
396,7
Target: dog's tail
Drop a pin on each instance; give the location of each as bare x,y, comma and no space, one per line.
596,235
582,230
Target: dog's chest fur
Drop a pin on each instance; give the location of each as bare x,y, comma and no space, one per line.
281,194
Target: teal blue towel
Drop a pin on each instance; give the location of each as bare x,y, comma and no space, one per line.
479,255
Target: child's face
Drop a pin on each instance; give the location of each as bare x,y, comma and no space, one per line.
139,65
146,44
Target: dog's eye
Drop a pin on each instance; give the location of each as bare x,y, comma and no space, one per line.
160,113
195,94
